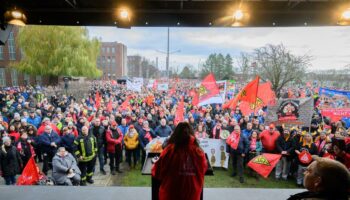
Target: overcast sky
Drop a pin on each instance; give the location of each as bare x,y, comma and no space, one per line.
329,46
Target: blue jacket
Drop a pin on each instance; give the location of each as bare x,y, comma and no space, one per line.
144,141
67,141
45,142
36,121
243,146
247,132
123,129
258,146
163,131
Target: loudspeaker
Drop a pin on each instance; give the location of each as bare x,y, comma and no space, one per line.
4,33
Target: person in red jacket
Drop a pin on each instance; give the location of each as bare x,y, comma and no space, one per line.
114,139
181,166
268,139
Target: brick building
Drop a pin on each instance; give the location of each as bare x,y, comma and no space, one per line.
134,66
113,60
10,52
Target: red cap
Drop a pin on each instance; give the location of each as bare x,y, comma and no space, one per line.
131,126
272,126
114,123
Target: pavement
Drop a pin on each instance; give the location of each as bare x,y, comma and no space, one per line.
132,193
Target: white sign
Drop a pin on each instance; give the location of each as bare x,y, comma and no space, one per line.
216,151
133,86
163,87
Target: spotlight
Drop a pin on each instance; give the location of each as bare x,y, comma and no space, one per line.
346,14
15,17
238,15
124,14
344,18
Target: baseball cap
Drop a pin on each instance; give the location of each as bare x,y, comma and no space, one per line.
271,126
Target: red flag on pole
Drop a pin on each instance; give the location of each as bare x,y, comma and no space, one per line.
97,100
195,99
126,105
109,106
248,94
264,164
208,88
30,174
266,96
180,110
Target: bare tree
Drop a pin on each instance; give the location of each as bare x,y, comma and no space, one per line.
244,63
278,65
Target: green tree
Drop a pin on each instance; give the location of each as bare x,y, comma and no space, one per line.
58,51
278,65
187,73
219,65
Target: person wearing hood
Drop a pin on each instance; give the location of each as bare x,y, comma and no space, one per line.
65,170
10,161
25,148
131,141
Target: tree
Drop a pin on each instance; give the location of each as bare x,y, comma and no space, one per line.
58,51
219,65
187,73
278,65
244,62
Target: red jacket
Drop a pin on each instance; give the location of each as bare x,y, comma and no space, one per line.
268,140
112,141
181,172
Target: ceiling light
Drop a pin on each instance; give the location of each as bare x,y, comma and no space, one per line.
238,15
15,17
346,14
124,14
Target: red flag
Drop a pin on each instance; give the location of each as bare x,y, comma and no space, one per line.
195,99
308,84
264,164
97,100
30,175
248,94
109,106
126,105
172,91
180,110
208,88
266,96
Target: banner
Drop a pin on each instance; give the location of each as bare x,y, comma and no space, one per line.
216,151
219,98
333,98
288,110
133,86
291,112
163,87
336,114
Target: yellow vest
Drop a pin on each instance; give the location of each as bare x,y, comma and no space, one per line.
131,143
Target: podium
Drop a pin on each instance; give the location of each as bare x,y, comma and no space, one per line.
155,184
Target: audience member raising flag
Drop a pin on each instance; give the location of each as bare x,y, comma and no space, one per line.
208,88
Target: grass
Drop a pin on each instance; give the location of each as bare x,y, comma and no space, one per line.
221,179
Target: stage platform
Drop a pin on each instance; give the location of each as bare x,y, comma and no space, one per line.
132,193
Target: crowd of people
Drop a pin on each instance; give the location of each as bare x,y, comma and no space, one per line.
112,124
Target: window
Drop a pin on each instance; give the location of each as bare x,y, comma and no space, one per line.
103,49
2,77
107,49
11,45
1,53
113,60
26,79
109,59
38,80
113,50
14,77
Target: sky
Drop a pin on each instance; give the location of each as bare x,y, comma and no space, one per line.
328,46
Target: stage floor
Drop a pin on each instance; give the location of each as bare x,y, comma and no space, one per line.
132,193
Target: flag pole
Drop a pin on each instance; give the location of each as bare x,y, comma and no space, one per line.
256,95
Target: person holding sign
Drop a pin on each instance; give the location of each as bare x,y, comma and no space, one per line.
304,150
